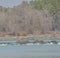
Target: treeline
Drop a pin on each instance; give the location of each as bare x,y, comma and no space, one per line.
35,17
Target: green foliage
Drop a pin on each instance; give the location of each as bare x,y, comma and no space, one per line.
55,6
3,9
25,4
52,5
0,8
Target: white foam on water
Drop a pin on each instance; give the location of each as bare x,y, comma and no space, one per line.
3,44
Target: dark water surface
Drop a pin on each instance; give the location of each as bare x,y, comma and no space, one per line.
30,51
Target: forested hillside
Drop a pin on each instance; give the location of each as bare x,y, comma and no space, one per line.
35,17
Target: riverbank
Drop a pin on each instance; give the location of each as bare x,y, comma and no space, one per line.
34,39
46,36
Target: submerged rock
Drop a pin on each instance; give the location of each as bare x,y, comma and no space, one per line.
39,41
52,42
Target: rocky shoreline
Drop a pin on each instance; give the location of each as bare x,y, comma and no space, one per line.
28,41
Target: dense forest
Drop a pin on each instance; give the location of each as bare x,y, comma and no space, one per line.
34,17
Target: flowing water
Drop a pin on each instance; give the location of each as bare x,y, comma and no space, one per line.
30,51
